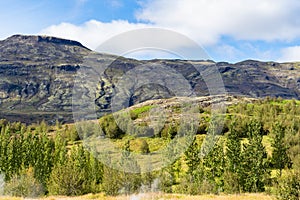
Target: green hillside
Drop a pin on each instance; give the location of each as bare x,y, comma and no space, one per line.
256,151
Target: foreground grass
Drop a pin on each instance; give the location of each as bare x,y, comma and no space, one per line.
156,196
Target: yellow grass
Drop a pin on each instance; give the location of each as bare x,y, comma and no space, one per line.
156,196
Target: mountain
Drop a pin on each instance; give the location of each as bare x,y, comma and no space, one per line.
38,73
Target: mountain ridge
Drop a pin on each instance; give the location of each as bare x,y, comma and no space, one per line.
42,38
38,73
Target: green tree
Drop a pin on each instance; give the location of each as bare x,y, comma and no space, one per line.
66,179
77,175
193,157
130,177
280,159
214,165
44,158
255,168
232,181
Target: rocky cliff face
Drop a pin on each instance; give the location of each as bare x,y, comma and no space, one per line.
37,76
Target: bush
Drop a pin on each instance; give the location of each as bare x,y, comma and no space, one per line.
190,185
289,186
202,128
111,183
24,185
166,180
169,130
198,187
110,127
66,180
143,146
69,133
231,183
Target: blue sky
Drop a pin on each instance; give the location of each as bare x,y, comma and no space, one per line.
229,30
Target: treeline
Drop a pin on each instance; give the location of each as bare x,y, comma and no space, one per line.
259,151
36,160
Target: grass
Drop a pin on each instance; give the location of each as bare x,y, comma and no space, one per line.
156,196
136,113
284,102
10,198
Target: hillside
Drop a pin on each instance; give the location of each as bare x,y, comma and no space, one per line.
249,130
37,78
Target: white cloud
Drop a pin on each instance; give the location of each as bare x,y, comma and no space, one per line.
207,20
92,33
290,54
143,43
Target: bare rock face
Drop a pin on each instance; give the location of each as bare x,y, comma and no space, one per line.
37,75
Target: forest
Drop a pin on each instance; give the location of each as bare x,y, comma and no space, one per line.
257,152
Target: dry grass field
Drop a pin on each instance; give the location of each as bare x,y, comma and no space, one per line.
156,196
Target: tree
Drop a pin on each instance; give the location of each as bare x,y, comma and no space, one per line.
192,157
69,178
77,175
254,159
44,158
232,181
214,164
280,159
94,173
130,177
66,180
167,174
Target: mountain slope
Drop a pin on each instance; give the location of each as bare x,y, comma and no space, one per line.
37,78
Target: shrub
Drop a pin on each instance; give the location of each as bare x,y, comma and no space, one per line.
143,146
66,180
289,186
24,185
110,127
202,128
196,187
111,183
169,130
186,187
231,183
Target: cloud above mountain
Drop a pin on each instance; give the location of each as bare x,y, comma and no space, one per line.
290,54
208,20
91,33
205,21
